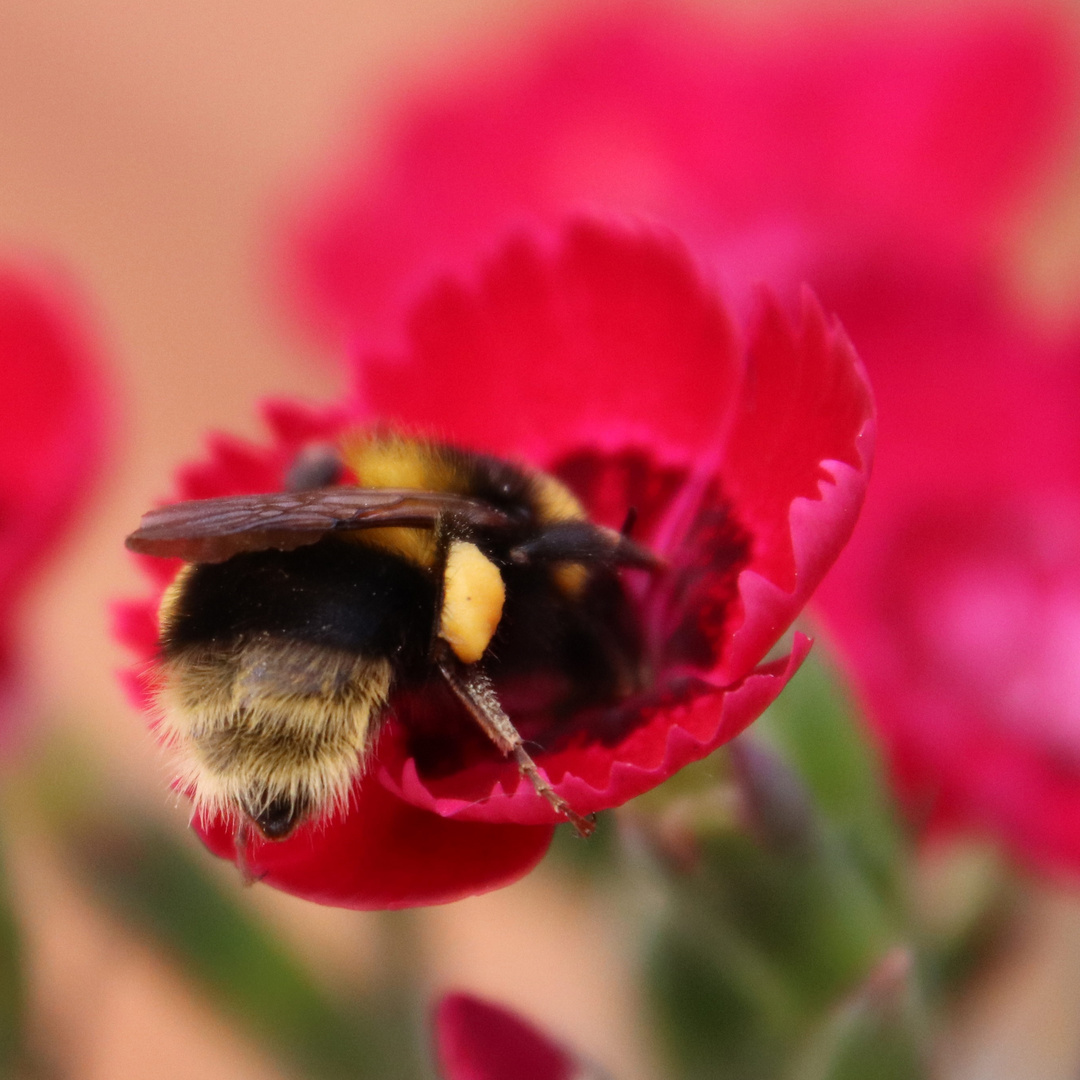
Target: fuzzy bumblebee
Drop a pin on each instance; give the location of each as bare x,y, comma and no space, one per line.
302,616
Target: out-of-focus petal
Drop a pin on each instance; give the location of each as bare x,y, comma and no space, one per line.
52,429
480,1041
779,149
957,601
51,422
609,336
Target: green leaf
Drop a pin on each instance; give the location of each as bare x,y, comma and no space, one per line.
816,728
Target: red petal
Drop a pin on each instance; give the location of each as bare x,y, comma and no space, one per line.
238,467
609,481
796,468
611,336
480,1041
970,776
610,358
386,854
295,425
135,625
613,339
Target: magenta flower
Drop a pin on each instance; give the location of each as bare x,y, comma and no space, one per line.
476,1040
603,359
50,433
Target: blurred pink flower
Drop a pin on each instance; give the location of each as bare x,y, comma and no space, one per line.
776,153
476,1040
51,432
603,359
958,603
884,163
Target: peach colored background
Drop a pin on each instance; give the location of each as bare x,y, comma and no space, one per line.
147,145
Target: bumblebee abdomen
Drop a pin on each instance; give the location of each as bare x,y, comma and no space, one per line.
272,725
277,668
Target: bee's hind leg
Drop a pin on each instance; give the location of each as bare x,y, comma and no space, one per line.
242,843
473,688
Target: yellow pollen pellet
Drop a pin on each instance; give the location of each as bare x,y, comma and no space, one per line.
473,597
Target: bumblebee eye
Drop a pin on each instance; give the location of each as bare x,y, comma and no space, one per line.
279,819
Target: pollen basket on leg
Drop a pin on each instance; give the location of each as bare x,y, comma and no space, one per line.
473,598
271,722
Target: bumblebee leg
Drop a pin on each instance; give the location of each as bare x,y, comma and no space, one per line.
242,841
473,688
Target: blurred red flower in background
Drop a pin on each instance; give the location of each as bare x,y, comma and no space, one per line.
884,163
772,155
603,359
476,1040
958,603
51,433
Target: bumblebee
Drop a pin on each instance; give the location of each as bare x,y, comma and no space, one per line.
304,617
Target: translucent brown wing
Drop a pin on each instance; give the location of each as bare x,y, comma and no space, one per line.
213,530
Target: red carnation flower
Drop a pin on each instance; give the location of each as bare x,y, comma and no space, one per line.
605,361
50,432
883,163
774,155
476,1040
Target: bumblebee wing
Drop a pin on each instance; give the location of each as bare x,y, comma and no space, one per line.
213,530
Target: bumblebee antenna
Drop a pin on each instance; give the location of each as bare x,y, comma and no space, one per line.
474,690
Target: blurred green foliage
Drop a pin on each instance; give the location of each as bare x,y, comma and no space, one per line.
153,883
783,921
766,959
166,893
